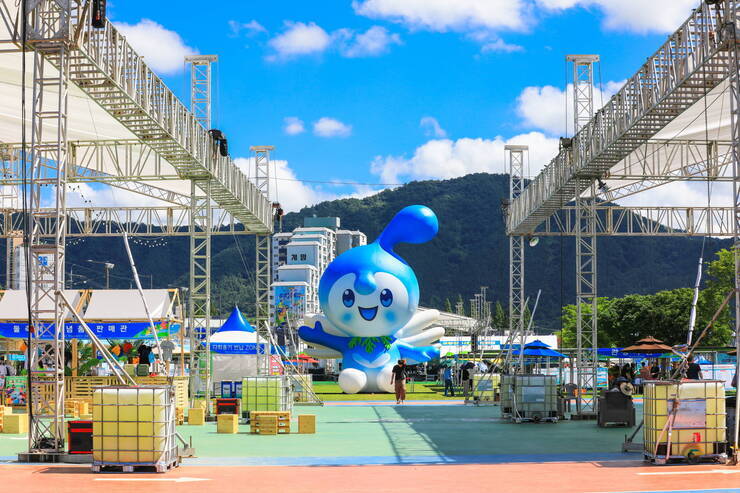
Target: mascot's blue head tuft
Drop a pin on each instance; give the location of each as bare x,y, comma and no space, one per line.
371,291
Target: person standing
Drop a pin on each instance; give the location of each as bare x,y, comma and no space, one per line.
398,380
467,381
693,371
448,382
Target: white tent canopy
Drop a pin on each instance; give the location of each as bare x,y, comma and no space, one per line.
14,305
126,304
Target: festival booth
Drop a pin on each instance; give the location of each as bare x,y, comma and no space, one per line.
114,314
236,349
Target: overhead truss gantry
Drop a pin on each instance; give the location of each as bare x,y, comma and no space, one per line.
157,139
633,143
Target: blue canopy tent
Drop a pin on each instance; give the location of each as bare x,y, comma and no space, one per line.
538,349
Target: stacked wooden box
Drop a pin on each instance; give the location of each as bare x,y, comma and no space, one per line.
269,422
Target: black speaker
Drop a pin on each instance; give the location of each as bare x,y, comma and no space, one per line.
98,13
79,437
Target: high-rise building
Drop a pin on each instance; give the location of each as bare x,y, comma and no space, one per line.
299,258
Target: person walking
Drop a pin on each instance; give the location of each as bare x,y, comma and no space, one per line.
448,382
693,371
398,380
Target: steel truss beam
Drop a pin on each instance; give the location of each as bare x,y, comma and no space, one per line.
109,71
660,162
90,163
644,221
691,63
114,221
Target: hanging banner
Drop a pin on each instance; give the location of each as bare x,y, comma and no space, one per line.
241,348
118,330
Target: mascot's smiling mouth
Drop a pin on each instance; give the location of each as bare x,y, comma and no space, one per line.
368,313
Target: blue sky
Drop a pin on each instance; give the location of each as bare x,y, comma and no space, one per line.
381,66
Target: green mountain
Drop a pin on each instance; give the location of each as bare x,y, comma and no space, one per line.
470,251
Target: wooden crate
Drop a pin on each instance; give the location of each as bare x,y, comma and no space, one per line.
306,423
267,425
179,416
263,420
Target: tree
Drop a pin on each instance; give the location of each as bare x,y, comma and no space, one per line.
448,306
500,317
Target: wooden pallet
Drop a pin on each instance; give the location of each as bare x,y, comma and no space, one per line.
136,468
269,422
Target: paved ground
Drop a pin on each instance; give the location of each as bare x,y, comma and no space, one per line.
362,448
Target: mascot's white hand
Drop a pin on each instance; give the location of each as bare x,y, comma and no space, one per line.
419,321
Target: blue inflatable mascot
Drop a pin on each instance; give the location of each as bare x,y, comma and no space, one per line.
369,297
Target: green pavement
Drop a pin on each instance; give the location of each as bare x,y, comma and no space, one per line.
350,430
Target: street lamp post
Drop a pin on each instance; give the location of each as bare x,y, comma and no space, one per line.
108,267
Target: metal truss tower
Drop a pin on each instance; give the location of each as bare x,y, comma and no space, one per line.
201,226
585,229
730,36
47,32
516,156
263,249
200,87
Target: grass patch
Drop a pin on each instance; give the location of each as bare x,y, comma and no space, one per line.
330,391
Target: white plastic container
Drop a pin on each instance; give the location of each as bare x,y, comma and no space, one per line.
134,426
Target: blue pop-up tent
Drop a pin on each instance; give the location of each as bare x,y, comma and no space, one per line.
538,349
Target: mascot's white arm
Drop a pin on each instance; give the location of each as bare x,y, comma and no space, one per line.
419,330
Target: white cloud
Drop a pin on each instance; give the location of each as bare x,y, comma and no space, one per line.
293,125
163,50
445,158
544,108
447,15
652,16
299,39
294,194
250,28
373,42
432,127
500,46
331,127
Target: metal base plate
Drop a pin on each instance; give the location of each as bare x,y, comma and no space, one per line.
55,457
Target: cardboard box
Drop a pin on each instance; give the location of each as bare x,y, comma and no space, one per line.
196,416
306,423
15,424
227,423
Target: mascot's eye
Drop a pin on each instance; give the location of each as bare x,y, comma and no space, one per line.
386,298
348,298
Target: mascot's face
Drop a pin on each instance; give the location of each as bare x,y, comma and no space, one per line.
369,309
